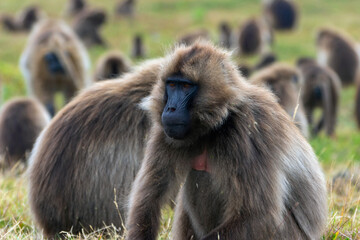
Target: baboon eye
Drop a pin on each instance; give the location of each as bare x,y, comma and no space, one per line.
186,85
172,85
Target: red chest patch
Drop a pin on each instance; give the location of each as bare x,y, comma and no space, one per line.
200,163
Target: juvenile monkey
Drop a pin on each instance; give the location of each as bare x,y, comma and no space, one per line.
192,37
21,121
321,88
87,26
338,52
125,8
248,173
138,49
54,60
281,14
225,38
254,37
74,7
84,162
111,65
24,20
284,82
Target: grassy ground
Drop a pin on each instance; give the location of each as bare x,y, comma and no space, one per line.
162,21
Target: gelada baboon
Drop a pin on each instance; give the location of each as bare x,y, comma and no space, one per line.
84,162
192,37
74,7
125,8
247,171
54,60
225,37
357,105
266,60
338,51
281,14
321,89
111,65
21,121
87,26
138,49
284,82
254,37
24,21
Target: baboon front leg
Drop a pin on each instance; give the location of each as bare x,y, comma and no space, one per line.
148,195
182,229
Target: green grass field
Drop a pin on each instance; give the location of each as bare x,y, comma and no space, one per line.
161,22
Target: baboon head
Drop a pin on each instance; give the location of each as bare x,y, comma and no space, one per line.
193,96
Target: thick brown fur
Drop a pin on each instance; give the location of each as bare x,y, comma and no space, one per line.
54,36
284,81
338,51
321,88
264,180
24,21
111,65
87,26
190,38
21,121
281,14
74,7
254,37
225,36
125,8
138,49
85,161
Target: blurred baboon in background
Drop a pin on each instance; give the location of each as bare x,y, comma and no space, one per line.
138,49
246,171
338,51
74,7
54,60
284,82
357,105
321,88
281,14
192,37
254,37
266,60
87,26
225,36
83,164
245,70
111,65
24,21
125,8
21,121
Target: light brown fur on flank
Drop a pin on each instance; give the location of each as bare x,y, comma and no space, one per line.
264,180
111,65
21,121
284,81
54,36
321,89
338,52
89,155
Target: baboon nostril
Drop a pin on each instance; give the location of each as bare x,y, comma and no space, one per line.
171,109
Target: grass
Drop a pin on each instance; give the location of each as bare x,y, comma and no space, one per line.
162,21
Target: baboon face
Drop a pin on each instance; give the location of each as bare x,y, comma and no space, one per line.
192,94
53,46
179,94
